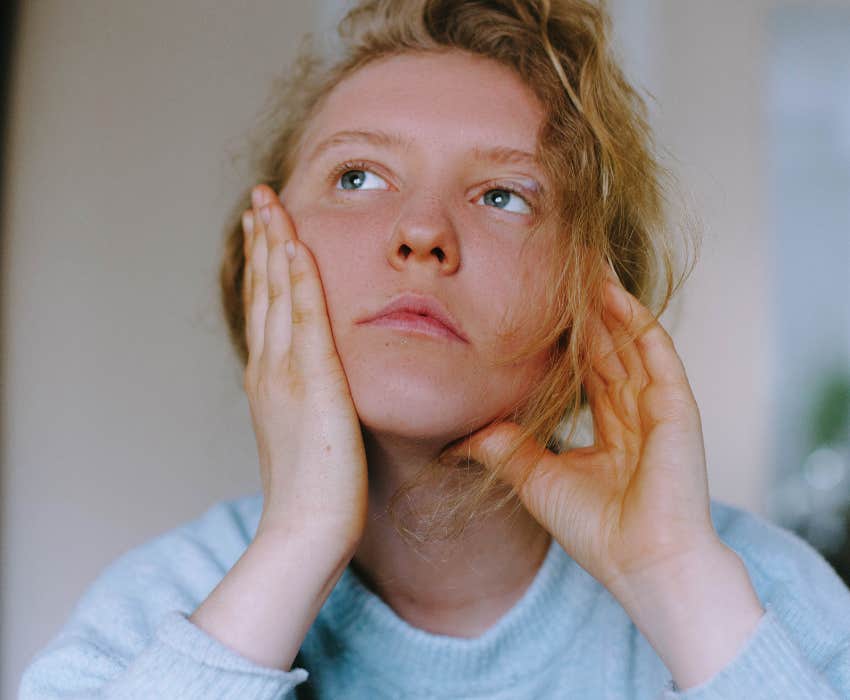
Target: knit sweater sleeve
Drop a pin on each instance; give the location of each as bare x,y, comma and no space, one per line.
129,636
800,649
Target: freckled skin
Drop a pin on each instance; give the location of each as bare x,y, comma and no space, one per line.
421,223
423,226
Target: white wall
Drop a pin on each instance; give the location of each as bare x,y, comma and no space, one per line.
124,412
123,405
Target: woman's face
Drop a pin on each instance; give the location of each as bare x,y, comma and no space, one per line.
416,201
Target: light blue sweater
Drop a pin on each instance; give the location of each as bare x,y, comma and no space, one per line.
567,637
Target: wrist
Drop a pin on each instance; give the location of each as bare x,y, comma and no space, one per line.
697,612
325,550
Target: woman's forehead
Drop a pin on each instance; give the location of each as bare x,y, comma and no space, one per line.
431,101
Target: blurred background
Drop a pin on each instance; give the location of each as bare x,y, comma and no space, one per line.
122,409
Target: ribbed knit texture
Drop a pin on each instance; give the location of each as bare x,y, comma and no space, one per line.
129,636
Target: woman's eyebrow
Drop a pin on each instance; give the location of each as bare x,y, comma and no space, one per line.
503,155
374,138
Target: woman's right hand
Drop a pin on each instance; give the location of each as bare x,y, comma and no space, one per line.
309,440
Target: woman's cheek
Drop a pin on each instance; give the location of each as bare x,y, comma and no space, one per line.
343,221
346,260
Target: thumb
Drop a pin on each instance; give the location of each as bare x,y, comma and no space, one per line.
491,443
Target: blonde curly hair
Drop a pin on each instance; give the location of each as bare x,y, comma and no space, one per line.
608,199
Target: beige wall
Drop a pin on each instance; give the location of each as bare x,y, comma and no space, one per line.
709,75
123,405
124,414
706,64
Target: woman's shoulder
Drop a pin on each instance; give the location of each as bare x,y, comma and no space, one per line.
137,608
173,571
787,572
197,550
772,550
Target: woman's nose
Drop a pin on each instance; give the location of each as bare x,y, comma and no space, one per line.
424,234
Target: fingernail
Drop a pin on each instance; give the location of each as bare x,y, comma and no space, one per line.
265,212
258,196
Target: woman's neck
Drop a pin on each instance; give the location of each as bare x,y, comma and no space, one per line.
459,588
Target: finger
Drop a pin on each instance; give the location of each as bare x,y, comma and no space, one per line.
247,228
259,287
657,351
620,342
247,231
278,328
312,338
607,429
627,350
488,445
604,357
538,477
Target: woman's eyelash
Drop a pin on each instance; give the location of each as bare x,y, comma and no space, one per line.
517,193
339,170
507,188
343,168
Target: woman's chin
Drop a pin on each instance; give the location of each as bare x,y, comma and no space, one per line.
434,400
409,420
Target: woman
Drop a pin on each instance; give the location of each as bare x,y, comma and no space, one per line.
423,286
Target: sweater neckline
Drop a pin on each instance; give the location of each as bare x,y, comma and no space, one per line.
539,626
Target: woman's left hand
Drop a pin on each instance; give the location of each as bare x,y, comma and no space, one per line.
636,504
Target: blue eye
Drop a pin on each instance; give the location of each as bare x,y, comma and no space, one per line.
360,180
502,199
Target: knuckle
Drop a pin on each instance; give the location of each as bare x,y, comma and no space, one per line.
268,388
276,290
672,402
298,277
658,329
302,316
275,388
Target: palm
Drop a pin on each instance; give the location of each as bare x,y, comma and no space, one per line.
639,495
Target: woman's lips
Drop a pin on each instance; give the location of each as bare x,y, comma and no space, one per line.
411,322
